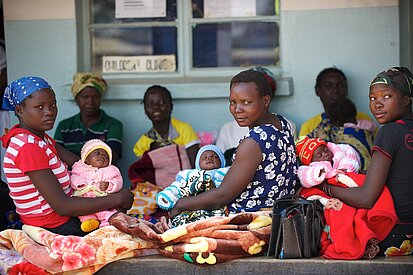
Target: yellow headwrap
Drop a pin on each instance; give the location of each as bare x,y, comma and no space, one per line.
83,80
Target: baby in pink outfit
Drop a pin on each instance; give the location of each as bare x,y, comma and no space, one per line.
323,160
94,176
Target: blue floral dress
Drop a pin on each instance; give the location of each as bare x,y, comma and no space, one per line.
276,176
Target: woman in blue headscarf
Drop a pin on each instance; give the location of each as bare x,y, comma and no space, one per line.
35,166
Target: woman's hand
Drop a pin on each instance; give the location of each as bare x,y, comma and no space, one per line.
176,210
322,186
325,187
125,198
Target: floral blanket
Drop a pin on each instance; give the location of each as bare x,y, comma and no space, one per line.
205,242
57,254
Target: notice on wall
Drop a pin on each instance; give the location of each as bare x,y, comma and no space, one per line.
140,8
229,8
139,64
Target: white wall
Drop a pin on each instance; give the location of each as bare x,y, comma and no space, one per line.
359,37
361,42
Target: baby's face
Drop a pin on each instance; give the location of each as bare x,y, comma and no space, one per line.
322,153
209,160
98,158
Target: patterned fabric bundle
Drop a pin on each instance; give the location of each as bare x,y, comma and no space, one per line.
189,183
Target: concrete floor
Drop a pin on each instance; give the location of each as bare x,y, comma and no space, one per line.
262,265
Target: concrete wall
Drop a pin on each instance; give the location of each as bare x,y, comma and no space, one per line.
359,37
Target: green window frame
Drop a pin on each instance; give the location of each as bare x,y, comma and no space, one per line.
185,24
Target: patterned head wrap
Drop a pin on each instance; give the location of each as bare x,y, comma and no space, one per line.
21,88
399,77
210,147
83,80
306,148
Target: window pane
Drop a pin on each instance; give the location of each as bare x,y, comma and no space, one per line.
235,44
103,11
132,42
263,8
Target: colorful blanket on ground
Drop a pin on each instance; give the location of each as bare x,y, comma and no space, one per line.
206,242
57,254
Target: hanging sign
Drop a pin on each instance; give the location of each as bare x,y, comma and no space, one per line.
140,8
139,64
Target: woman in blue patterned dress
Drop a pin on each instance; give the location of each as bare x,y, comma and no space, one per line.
265,164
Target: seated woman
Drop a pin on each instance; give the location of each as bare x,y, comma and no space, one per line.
349,233
36,168
231,133
165,129
331,84
91,122
167,137
392,158
265,164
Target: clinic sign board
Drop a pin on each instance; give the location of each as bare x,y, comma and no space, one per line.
139,64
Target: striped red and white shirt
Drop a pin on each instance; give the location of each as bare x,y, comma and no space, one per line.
27,152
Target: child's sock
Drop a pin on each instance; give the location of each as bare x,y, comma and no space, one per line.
89,225
167,198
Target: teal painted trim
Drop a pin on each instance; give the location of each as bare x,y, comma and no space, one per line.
196,90
45,48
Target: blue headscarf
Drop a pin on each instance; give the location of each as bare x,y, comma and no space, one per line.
210,148
21,88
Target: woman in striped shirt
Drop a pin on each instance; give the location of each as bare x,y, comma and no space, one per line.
36,168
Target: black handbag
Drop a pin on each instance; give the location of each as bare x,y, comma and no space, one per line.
297,224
